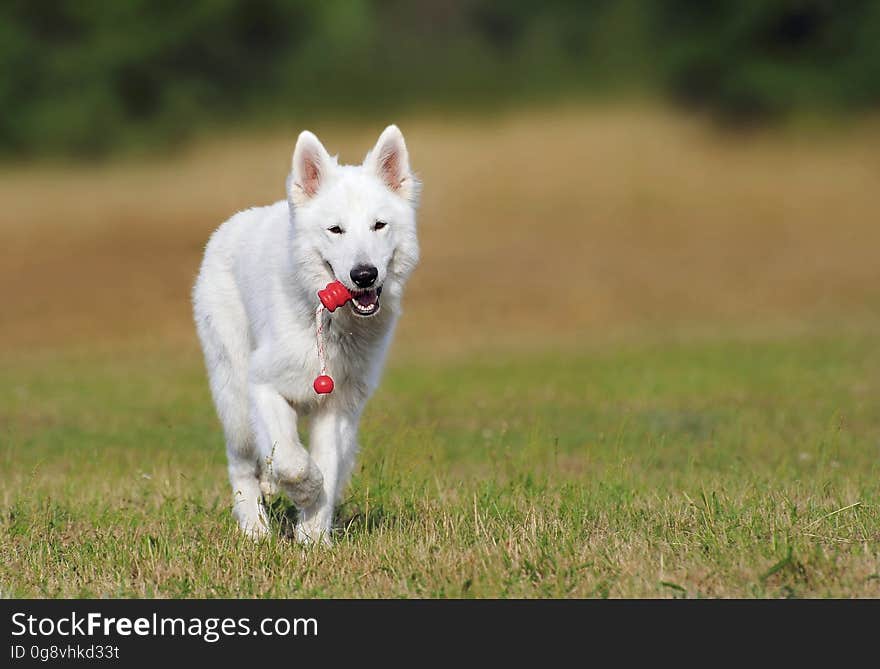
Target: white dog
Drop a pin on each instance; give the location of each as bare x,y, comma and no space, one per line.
255,308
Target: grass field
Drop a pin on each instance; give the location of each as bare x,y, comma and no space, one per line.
681,402
712,469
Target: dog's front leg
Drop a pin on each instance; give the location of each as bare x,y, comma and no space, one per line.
334,448
283,456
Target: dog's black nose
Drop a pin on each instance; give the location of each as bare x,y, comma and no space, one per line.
364,276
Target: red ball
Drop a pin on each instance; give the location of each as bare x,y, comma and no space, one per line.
323,385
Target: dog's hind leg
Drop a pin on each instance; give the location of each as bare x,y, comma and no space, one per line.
226,354
247,502
248,509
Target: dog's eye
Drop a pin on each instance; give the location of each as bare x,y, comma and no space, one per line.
379,225
336,230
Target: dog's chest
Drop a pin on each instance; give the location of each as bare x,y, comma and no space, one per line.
353,356
351,353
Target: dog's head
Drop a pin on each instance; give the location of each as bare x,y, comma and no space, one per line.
355,223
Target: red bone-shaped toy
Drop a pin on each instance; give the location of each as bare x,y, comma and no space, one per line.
332,297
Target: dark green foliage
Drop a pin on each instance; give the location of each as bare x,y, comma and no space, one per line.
752,59
85,77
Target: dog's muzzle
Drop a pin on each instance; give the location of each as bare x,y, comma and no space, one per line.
366,302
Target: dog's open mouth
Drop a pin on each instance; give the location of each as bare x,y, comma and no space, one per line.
366,302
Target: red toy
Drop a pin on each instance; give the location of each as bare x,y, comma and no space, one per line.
323,384
332,297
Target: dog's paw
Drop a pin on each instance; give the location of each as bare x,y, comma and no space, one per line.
304,489
256,532
268,486
253,521
309,534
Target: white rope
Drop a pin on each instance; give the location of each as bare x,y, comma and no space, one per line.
319,336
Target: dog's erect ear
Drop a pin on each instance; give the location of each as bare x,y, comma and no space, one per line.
309,168
389,159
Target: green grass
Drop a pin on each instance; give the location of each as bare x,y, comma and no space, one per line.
740,468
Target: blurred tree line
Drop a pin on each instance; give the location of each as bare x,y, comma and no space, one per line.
81,77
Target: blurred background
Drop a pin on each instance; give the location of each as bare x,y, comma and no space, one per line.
660,167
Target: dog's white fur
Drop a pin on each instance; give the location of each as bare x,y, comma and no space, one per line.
254,305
